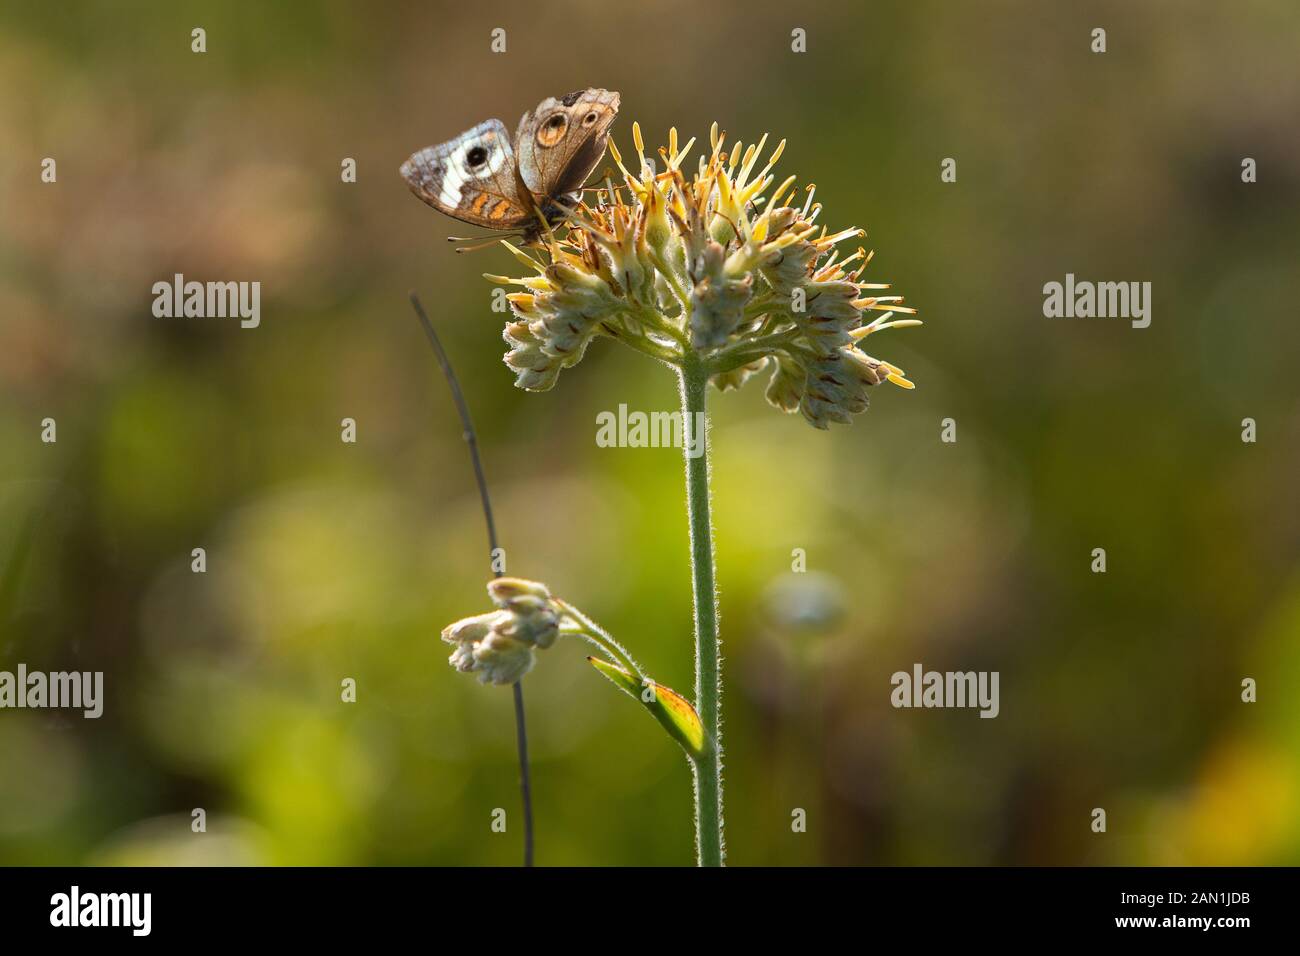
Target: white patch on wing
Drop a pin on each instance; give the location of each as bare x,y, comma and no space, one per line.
458,172
449,194
496,160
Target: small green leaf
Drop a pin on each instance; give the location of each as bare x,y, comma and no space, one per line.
673,711
618,675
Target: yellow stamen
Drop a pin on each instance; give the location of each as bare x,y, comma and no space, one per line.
677,159
840,237
780,191
524,257
812,191
776,154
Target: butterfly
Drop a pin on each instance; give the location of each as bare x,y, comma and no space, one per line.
527,184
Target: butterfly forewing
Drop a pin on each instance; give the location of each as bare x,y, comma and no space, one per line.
472,178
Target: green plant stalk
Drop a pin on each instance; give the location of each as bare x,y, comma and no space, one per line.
587,629
709,844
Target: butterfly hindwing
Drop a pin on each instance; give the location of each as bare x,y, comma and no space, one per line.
472,178
560,142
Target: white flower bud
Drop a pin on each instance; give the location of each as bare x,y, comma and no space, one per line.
500,659
481,647
499,645
786,384
504,590
717,301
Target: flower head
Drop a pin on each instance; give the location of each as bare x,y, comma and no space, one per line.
717,266
499,645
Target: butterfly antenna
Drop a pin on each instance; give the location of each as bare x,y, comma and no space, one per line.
601,189
484,243
476,247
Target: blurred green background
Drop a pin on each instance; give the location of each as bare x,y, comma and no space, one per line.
328,560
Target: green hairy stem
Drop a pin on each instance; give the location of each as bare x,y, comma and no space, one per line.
708,687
